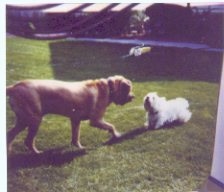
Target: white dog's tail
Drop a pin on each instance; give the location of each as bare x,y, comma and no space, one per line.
184,113
187,116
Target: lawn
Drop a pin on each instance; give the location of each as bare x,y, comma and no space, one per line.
166,160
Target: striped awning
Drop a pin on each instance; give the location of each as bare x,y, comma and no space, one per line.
63,8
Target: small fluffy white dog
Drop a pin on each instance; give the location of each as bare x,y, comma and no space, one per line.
162,112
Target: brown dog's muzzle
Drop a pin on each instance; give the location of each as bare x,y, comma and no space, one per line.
130,97
127,99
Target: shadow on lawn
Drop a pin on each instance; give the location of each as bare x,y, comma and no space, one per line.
55,157
83,60
138,131
58,157
126,136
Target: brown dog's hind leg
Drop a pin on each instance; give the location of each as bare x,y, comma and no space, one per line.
76,133
30,139
11,134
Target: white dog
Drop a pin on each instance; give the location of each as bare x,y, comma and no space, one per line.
162,112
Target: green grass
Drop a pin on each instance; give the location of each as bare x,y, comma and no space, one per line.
166,160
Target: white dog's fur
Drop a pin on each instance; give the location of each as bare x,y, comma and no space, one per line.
161,112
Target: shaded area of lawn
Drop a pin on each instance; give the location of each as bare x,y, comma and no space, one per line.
53,157
74,60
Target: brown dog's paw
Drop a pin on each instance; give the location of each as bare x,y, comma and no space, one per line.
114,139
36,151
78,145
116,135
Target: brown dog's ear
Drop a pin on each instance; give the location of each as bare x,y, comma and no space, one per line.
114,88
114,83
125,86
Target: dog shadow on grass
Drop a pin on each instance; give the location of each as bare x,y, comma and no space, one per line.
55,157
60,156
138,131
128,135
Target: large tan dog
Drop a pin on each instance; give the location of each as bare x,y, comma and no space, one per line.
32,99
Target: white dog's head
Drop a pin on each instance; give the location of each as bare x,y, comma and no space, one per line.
153,103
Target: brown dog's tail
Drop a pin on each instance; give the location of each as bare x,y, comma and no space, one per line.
9,90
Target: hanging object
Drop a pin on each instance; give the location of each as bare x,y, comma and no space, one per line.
138,50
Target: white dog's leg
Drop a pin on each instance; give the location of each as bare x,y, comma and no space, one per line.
157,125
153,123
158,122
146,124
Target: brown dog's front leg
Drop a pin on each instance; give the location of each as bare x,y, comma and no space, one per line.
105,126
76,133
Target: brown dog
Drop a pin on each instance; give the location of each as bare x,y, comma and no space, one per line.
32,99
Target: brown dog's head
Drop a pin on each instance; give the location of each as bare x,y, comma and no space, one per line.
120,90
